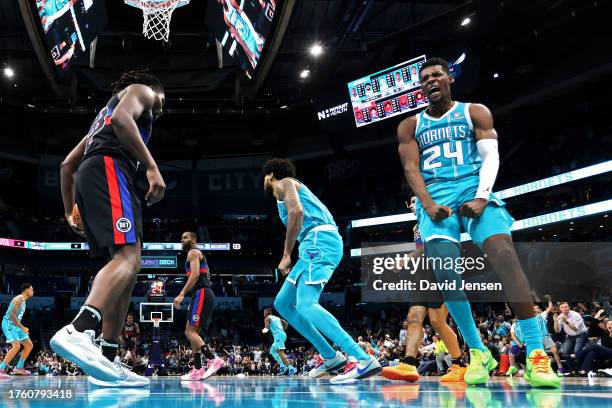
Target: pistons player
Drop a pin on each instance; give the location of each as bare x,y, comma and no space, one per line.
437,312
202,305
99,174
130,338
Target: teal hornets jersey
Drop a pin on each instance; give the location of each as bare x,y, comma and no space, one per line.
315,212
276,326
542,324
447,145
19,314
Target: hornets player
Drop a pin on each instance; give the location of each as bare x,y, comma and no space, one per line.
320,251
278,326
16,333
450,159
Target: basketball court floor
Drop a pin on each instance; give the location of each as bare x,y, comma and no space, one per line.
255,392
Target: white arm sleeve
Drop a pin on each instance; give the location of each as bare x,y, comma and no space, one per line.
487,149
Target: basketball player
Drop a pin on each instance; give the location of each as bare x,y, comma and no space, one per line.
242,30
106,160
278,327
198,287
310,223
130,338
51,10
450,158
16,333
407,369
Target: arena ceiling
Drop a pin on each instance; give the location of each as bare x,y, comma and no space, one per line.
518,37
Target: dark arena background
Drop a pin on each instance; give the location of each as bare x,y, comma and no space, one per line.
324,83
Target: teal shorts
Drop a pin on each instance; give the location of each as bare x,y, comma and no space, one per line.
494,220
320,254
12,332
279,341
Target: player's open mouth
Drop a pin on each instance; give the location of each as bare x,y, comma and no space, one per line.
433,90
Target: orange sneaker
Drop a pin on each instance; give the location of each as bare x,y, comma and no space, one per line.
402,371
455,374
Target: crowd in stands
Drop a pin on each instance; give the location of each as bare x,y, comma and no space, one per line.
581,332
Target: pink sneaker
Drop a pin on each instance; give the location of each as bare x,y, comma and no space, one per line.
4,375
213,366
21,371
193,375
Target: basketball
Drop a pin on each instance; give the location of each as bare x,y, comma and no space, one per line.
76,217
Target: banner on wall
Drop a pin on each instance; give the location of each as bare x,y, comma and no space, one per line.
36,303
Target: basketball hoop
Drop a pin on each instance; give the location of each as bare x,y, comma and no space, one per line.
156,321
157,15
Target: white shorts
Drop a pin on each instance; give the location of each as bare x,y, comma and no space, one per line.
548,343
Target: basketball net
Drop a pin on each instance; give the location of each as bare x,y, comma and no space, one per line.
157,16
156,322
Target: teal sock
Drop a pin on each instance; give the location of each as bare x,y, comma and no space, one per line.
531,334
20,363
3,365
456,301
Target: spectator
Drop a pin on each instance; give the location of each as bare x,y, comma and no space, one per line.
586,357
442,356
572,324
403,333
501,327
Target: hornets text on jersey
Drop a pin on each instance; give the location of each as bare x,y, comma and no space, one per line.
447,145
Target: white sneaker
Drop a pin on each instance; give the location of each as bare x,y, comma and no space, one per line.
127,379
357,371
607,372
327,366
79,348
213,366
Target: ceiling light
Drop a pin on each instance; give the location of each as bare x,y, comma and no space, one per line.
496,75
8,72
316,50
466,21
305,74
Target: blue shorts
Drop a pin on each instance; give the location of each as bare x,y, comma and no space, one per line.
320,254
494,220
516,350
279,341
12,332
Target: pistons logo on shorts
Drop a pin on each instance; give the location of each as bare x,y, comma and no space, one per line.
123,225
195,318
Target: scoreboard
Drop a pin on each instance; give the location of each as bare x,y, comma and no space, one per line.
387,93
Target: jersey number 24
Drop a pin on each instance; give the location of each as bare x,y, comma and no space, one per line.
445,149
